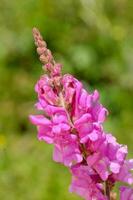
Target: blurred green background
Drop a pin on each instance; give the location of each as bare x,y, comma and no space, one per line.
94,41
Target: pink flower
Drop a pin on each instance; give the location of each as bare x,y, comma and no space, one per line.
67,150
126,172
57,132
126,193
89,103
44,128
85,183
100,164
46,92
99,144
87,129
108,158
71,89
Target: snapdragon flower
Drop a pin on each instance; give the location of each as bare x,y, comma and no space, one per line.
72,121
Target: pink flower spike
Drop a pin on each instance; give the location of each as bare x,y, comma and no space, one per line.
72,120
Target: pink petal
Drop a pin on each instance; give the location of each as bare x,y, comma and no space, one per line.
114,167
39,120
102,115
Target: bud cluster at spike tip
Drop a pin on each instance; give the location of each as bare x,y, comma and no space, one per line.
74,125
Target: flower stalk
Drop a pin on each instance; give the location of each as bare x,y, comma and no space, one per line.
107,190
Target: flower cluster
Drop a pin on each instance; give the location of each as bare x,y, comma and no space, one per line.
72,121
